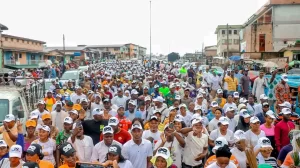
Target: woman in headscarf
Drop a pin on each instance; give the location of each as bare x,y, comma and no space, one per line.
115,159
162,159
244,121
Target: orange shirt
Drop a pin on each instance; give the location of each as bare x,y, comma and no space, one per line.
65,166
213,159
45,164
288,161
49,103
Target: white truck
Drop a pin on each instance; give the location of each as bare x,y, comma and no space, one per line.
20,100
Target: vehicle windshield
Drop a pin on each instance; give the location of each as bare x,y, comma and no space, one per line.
70,75
4,109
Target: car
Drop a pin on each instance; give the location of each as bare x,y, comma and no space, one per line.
83,68
73,75
294,71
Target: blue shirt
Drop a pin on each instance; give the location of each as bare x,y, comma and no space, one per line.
210,115
137,114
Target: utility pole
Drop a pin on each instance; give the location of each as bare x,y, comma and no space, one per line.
64,48
150,34
227,41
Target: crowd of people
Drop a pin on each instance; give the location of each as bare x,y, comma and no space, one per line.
132,116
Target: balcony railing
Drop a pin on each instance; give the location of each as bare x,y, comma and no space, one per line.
28,62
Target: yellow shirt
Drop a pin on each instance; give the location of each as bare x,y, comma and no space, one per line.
198,77
221,101
62,92
49,103
232,83
45,164
6,137
64,166
161,126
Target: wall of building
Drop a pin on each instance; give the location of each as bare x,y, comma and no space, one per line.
289,55
210,53
286,19
21,44
221,47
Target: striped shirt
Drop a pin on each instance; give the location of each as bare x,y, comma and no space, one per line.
270,161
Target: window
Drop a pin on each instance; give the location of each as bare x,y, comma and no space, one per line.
224,41
229,31
234,31
116,49
236,41
20,55
284,42
223,32
230,41
6,38
4,108
17,109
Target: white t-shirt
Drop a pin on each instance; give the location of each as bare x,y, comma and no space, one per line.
214,165
84,148
155,136
75,97
125,164
215,81
213,124
193,147
119,101
216,133
49,146
94,105
252,138
100,150
187,118
176,151
240,157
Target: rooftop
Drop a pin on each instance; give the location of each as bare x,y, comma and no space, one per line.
47,49
3,27
229,27
214,47
105,46
22,38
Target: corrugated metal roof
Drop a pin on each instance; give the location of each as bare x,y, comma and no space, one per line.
47,49
22,38
104,46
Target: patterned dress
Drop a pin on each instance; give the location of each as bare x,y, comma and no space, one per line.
282,93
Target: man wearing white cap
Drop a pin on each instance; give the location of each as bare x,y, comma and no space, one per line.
142,158
259,85
283,128
15,158
196,147
282,91
160,106
134,97
58,115
40,110
76,97
119,99
9,130
101,148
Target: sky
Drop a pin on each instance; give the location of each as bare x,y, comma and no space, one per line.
177,25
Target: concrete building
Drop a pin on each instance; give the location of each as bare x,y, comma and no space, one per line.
120,51
20,52
273,27
210,52
194,57
233,39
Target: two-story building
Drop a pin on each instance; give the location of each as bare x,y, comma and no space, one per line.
20,52
227,37
272,29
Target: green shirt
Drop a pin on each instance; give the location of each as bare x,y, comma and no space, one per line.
62,137
164,90
170,98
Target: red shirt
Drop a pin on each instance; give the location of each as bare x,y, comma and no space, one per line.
124,123
122,136
282,130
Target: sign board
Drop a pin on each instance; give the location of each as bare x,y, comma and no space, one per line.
77,54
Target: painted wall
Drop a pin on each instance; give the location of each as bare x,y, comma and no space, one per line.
288,54
21,44
286,25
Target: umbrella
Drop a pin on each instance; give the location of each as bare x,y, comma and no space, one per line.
293,63
270,64
235,58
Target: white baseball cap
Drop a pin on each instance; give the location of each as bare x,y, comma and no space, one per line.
108,130
74,112
285,104
83,100
197,120
68,120
243,100
254,119
133,91
178,118
3,143
239,135
270,113
219,91
236,94
214,104
244,113
230,108
156,86
41,102
132,102
264,142
177,97
159,99
163,152
172,108
182,105
45,128
199,95
284,77
113,121
172,86
197,107
136,125
219,142
97,111
147,98
263,96
223,121
286,111
9,118
34,114
15,151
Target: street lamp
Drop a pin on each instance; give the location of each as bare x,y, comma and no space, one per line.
2,27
